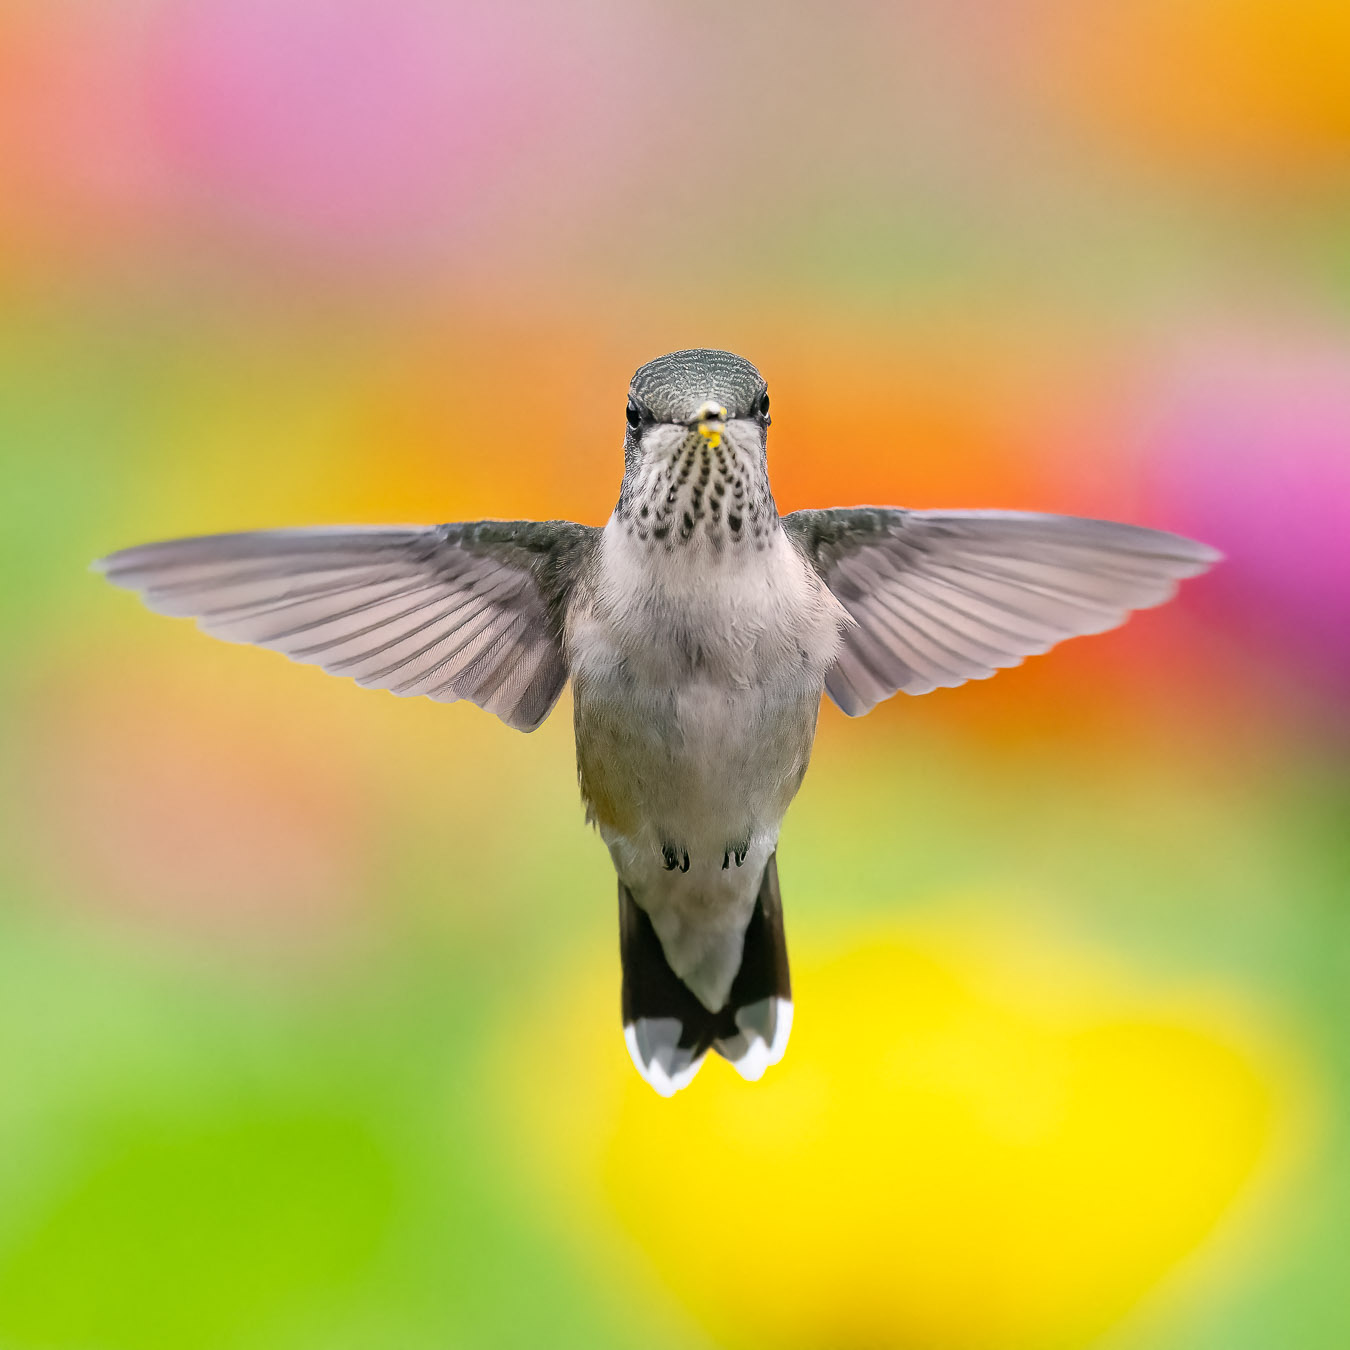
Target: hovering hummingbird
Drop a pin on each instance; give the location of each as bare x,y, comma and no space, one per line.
699,629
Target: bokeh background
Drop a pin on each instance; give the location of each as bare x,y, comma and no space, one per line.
309,995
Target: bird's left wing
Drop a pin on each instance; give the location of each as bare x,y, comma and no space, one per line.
942,597
465,611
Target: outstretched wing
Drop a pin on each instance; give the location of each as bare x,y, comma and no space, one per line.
941,597
466,611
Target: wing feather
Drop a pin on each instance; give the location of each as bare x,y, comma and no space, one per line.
942,597
466,611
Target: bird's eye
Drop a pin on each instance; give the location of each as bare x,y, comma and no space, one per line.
634,416
764,404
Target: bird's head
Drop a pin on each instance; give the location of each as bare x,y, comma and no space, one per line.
695,400
694,461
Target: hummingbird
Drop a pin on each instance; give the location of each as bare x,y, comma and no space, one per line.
699,629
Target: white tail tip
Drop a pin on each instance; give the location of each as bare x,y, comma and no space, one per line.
654,1044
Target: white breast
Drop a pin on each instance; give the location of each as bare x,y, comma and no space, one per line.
737,616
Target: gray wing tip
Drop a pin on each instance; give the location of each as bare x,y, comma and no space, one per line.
114,567
110,562
527,720
1179,548
843,696
1206,555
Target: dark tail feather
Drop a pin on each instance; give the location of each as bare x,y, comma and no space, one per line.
759,1011
669,1031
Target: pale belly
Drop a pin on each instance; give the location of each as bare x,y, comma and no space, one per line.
688,788
689,754
698,768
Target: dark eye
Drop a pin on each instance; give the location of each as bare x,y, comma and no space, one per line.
764,404
634,416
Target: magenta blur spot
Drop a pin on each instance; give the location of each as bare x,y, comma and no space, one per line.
350,121
1252,451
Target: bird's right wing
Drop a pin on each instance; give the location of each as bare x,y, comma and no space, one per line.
466,611
942,597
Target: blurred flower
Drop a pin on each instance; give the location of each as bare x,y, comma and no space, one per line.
1252,447
194,813
361,122
1248,89
83,182
976,1142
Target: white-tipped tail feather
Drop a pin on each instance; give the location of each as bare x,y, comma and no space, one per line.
667,1029
764,1028
654,1044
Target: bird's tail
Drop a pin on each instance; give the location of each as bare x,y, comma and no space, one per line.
669,1031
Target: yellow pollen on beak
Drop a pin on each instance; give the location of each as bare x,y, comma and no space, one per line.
712,424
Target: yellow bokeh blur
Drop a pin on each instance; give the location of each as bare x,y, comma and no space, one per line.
983,1137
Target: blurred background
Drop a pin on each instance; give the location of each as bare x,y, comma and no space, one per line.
309,1032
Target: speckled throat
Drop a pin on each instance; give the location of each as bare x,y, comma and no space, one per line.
718,494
